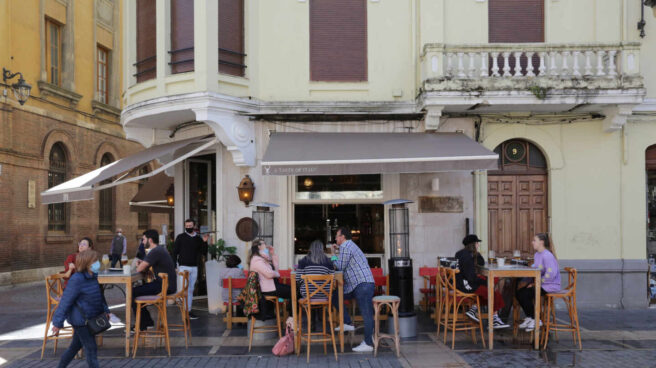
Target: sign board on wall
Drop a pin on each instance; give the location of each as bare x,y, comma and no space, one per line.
431,204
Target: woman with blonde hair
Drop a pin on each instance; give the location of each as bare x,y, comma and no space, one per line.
81,298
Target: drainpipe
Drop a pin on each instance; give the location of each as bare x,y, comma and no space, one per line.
625,161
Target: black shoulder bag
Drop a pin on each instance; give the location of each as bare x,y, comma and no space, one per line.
97,324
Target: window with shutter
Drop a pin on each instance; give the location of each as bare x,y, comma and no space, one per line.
338,40
516,21
146,38
231,37
57,212
182,36
101,74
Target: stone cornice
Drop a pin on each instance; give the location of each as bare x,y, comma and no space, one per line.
49,89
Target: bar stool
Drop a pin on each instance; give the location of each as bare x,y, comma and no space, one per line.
392,302
265,329
54,291
568,295
455,299
162,328
320,299
181,300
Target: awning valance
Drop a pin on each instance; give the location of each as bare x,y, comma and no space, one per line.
372,153
151,197
83,187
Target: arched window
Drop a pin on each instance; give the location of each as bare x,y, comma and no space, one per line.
143,217
520,156
106,205
57,214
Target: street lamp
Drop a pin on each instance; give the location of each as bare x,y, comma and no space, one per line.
21,89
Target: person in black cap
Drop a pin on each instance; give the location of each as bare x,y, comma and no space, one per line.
469,282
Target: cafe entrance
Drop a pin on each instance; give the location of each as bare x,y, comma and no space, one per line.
324,203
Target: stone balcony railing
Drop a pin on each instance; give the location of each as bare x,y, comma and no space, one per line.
551,66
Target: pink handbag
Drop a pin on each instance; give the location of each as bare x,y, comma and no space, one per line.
285,345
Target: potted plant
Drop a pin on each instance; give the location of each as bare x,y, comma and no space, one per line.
217,253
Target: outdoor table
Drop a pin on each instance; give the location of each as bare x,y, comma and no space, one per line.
492,271
339,277
115,277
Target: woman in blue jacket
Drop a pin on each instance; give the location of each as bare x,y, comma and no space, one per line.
82,292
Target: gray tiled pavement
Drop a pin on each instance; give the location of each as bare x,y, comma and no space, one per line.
611,338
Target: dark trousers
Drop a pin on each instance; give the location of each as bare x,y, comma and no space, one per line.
82,338
282,291
151,288
526,298
363,295
115,258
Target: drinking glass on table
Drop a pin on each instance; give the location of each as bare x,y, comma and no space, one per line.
124,259
105,261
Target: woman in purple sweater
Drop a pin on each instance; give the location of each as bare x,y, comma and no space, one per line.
550,279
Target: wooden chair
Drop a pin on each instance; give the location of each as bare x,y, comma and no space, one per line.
319,300
392,302
441,293
181,300
428,291
568,295
54,291
231,305
265,329
162,328
455,300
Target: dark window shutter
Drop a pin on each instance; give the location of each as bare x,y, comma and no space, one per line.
338,40
231,37
516,21
182,36
146,37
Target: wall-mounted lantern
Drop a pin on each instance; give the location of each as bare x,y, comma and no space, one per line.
20,88
170,196
246,190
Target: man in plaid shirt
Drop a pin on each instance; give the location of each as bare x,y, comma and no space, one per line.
358,284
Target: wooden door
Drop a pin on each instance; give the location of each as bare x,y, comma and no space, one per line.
517,210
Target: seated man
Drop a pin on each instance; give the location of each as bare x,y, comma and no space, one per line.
161,261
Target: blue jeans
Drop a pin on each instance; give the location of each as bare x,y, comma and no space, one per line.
363,295
81,338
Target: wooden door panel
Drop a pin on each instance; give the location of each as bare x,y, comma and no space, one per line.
517,210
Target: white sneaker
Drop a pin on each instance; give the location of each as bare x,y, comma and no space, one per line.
473,313
531,326
347,328
527,321
363,348
113,319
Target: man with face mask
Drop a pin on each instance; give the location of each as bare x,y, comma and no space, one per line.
118,248
187,251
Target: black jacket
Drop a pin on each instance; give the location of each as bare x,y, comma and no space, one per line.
468,271
188,249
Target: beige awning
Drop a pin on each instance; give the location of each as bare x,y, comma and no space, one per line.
84,186
151,197
373,153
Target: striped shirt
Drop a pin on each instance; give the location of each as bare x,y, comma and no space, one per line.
354,264
307,267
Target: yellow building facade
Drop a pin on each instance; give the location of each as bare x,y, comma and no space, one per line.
571,125
70,53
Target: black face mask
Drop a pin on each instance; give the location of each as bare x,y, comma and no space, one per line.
189,230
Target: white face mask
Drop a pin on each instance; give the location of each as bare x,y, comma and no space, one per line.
119,233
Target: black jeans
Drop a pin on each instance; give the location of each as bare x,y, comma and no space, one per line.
526,298
115,258
82,338
282,291
151,288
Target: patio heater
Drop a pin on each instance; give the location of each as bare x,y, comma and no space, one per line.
400,266
263,217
